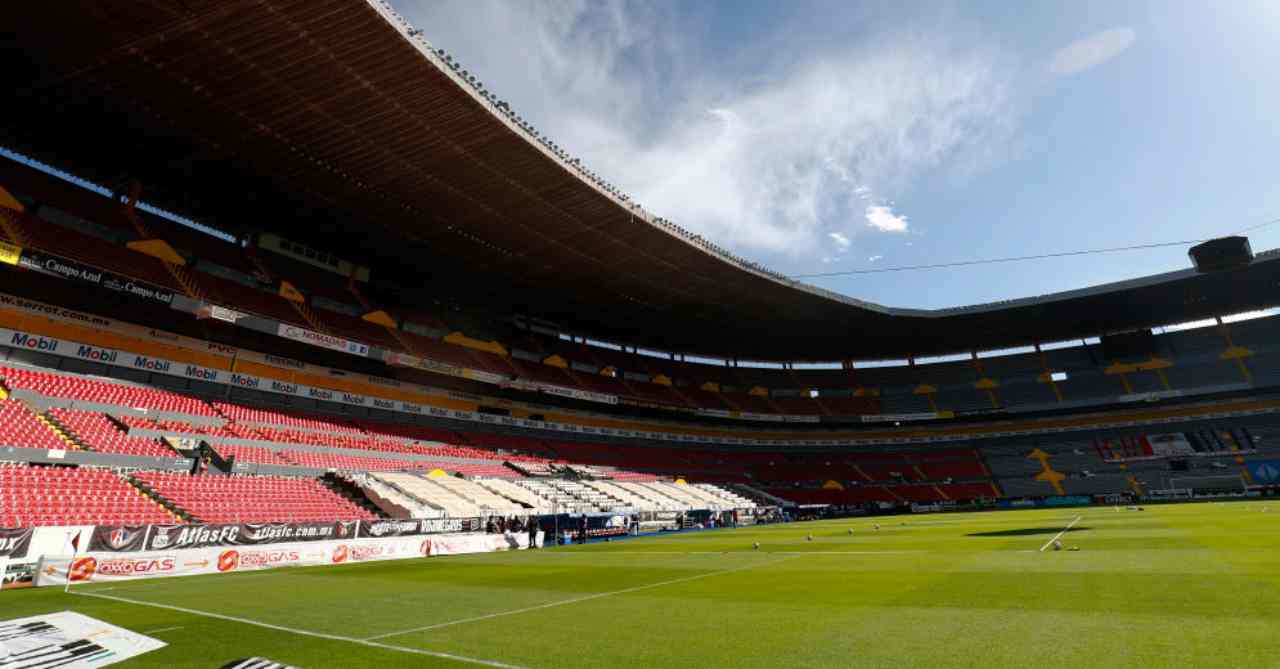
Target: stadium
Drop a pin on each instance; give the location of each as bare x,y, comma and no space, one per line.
317,354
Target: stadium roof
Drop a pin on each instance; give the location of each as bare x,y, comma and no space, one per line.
332,122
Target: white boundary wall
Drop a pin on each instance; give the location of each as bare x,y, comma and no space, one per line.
108,567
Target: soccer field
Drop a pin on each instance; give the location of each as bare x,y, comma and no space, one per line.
1182,585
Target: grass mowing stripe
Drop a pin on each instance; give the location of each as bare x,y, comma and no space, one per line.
1059,535
576,600
302,632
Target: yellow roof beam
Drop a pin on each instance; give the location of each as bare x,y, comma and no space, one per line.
158,248
480,345
380,317
1235,353
290,292
8,201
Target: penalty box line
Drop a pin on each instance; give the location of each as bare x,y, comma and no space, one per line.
576,600
308,633
1059,535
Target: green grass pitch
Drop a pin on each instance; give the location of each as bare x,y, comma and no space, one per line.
1195,585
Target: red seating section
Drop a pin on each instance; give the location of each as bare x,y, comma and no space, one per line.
48,496
890,477
105,392
225,430
284,417
253,499
256,454
98,433
20,427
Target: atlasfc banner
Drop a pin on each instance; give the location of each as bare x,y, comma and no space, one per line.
169,537
15,542
96,567
120,538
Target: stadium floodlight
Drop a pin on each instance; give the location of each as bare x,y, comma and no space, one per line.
1058,376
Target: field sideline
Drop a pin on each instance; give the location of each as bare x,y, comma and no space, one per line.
1179,585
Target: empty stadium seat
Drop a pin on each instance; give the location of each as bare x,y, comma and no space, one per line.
50,496
104,392
97,432
253,499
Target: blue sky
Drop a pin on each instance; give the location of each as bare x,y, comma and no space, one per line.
827,136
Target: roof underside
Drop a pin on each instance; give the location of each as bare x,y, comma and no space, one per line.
320,121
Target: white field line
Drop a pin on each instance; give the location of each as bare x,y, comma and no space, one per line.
302,632
575,600
1059,535
164,629
765,552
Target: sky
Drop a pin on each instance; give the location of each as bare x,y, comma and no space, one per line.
816,137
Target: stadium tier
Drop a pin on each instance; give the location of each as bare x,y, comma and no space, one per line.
279,451
44,496
63,220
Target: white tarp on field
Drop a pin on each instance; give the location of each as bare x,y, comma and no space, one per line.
68,640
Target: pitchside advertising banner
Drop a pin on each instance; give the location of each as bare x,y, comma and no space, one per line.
98,567
409,528
133,539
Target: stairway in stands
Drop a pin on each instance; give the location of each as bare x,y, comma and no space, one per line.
145,490
344,487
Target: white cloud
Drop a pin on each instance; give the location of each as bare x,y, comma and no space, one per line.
841,241
1091,51
874,258
762,157
882,218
